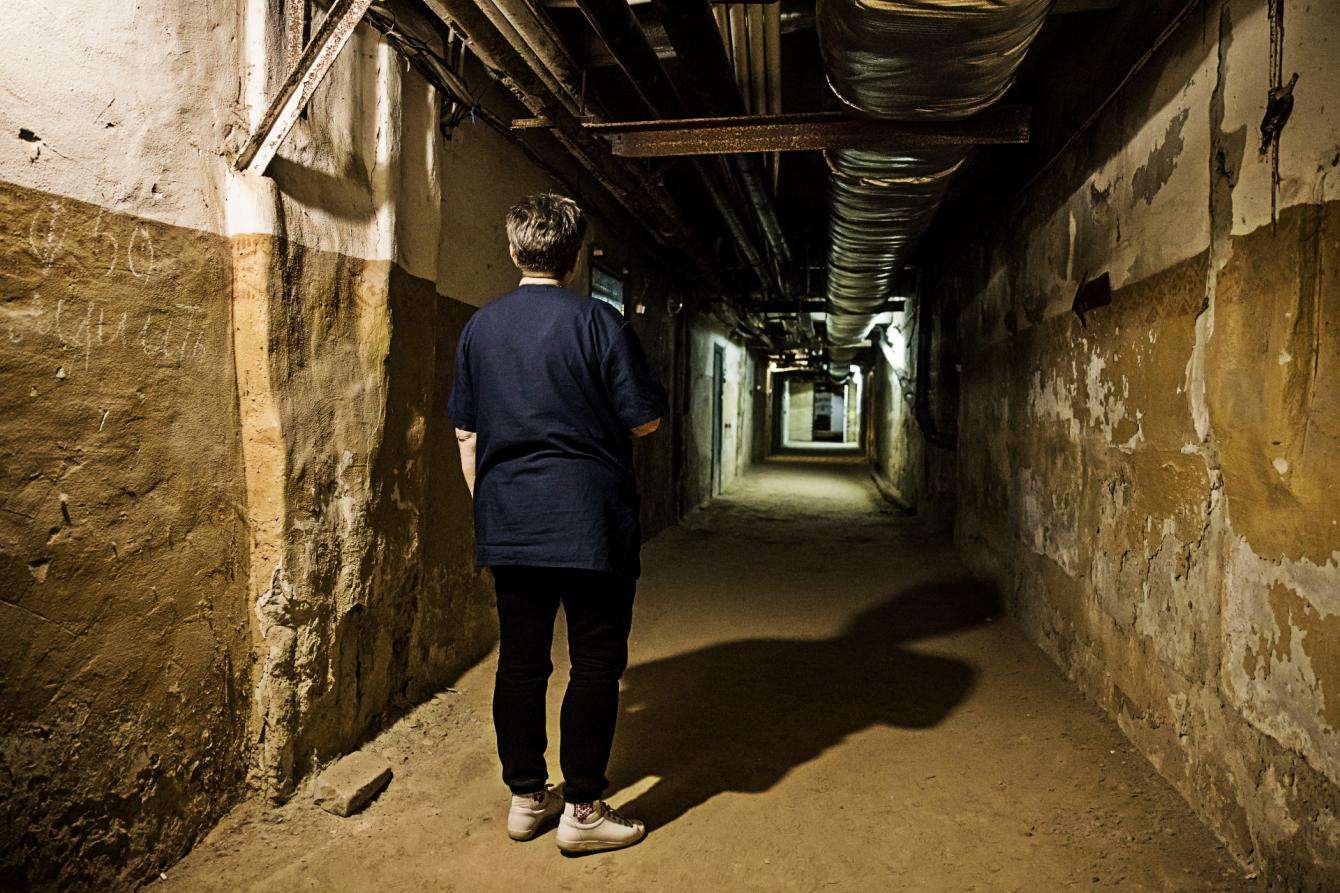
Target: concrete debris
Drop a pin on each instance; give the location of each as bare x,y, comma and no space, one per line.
349,784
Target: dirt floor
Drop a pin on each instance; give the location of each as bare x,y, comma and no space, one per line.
818,699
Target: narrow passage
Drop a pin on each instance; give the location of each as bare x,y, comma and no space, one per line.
820,697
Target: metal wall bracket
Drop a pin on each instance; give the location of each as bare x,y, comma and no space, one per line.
335,31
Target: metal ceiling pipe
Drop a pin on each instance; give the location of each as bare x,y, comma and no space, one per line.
881,202
693,33
556,77
617,26
534,35
541,44
905,60
916,59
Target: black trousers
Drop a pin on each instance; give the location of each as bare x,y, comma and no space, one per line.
599,611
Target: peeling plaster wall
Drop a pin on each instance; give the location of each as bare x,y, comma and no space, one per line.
235,537
1156,487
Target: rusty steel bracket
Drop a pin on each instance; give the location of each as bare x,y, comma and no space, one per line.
806,132
531,123
335,31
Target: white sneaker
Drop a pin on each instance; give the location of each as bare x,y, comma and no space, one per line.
594,827
529,812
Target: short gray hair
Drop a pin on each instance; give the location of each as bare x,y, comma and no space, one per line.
546,232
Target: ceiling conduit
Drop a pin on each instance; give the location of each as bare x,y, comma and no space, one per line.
908,60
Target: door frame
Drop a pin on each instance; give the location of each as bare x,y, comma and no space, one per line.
718,416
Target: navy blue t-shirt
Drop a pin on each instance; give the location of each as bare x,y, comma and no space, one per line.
551,382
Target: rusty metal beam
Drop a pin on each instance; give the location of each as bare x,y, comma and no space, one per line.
531,123
709,79
617,27
334,32
797,133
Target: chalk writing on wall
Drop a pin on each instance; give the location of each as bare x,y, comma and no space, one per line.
98,285
86,328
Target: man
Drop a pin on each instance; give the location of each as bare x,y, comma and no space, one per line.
551,388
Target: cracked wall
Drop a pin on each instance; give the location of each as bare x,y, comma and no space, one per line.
1155,485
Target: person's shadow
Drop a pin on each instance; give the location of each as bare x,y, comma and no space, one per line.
740,715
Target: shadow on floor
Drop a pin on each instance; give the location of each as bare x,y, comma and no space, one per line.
740,715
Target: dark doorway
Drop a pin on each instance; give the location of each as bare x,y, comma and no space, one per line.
830,409
718,423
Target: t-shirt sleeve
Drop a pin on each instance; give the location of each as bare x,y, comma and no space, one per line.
637,396
461,403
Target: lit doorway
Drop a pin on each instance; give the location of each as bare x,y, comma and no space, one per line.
820,414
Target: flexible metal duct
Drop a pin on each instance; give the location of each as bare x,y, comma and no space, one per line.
904,60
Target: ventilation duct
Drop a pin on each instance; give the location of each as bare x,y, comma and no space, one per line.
904,60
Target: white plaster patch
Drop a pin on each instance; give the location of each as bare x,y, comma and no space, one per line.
1181,204
1281,465
1137,438
133,104
1274,801
1097,390
1107,406
1047,523
1070,249
1195,366
1053,400
140,108
1280,697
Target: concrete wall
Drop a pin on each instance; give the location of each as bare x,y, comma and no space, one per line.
738,402
235,538
911,470
125,638
798,407
1156,486
853,397
760,413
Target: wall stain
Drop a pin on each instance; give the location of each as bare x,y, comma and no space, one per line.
1158,168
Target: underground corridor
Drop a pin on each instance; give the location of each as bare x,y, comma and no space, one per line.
967,372
788,721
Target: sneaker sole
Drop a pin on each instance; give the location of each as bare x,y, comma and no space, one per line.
532,834
586,847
